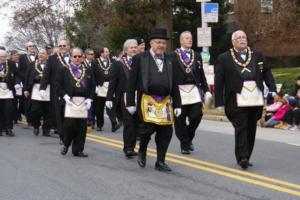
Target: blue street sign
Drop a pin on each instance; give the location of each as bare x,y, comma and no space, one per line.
211,12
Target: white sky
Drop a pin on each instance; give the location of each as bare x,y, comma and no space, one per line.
5,16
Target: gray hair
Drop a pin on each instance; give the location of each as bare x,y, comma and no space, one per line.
184,33
76,48
3,52
129,41
28,43
87,51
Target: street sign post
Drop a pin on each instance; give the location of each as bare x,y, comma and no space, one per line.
211,12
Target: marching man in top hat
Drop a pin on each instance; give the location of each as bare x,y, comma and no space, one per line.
158,97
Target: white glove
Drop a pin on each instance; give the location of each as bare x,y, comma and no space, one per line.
97,88
68,100
42,93
88,103
109,104
17,86
131,109
274,95
220,108
177,112
208,95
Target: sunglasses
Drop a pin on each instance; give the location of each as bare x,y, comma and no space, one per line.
62,45
77,56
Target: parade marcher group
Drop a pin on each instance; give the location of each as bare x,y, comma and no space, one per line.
146,91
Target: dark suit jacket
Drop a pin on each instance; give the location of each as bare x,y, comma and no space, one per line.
118,80
50,73
24,63
32,76
100,77
229,78
12,77
197,69
139,78
65,83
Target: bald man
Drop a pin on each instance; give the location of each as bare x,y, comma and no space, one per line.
75,86
40,102
24,63
57,61
239,74
190,77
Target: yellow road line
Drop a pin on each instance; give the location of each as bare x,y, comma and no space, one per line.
265,178
175,158
199,163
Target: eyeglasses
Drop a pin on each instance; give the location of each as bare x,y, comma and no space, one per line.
49,47
63,45
77,56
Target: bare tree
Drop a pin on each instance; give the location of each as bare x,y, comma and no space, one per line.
40,21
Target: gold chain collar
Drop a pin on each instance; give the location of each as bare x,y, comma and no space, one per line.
78,80
187,66
105,69
61,61
244,65
125,61
37,64
4,74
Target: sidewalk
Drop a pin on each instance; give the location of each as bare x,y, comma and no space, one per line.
215,121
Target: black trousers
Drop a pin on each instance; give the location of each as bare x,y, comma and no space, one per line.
99,104
41,110
19,107
244,121
57,116
74,133
186,132
129,129
162,138
7,113
118,106
292,117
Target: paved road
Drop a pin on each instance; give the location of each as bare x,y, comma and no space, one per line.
31,168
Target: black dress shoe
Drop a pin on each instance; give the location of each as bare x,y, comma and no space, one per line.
10,133
130,153
244,163
64,150
99,129
185,151
191,147
46,132
115,127
80,154
161,166
141,160
36,131
1,133
250,164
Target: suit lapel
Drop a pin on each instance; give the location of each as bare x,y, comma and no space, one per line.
169,69
144,67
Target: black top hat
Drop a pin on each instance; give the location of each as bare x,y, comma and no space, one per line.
158,33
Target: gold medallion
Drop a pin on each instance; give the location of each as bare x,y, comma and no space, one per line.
106,72
188,70
77,84
158,113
